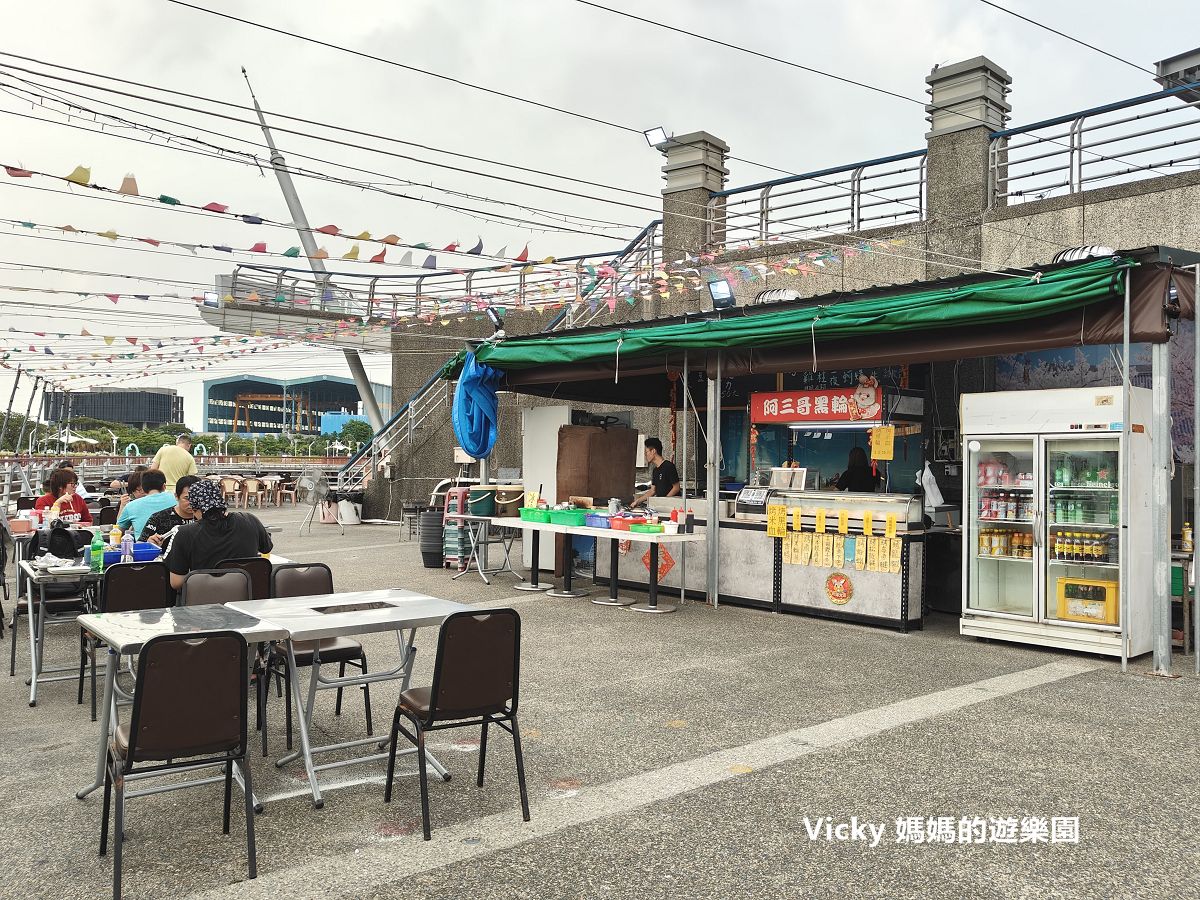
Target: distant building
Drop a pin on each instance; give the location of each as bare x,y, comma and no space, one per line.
257,405
139,408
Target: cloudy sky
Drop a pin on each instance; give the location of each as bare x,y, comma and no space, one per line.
558,52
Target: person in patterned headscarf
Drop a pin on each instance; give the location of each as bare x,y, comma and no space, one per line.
219,535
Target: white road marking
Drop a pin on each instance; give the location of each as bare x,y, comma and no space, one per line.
357,872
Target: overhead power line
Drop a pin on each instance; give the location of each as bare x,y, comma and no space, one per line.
1063,34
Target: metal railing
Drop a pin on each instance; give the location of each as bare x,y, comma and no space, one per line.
853,197
1142,137
393,298
629,269
626,276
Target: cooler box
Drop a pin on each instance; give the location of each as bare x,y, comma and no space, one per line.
142,552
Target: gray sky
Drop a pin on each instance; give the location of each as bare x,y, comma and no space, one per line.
555,51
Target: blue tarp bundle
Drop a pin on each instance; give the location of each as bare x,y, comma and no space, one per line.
476,408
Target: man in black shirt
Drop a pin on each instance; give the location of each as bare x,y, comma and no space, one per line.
664,477
219,535
160,525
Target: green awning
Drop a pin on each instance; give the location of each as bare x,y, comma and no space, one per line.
978,305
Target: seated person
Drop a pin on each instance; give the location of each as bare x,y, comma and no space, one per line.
61,499
120,483
133,490
133,516
160,527
219,535
79,488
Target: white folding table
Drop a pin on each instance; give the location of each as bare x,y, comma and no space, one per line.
126,633
478,528
614,536
321,616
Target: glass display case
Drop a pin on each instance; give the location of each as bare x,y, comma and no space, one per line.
1083,530
999,517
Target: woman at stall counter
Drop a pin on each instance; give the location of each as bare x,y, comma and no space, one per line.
61,500
858,476
220,534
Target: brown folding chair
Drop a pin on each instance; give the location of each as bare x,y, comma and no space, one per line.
107,515
204,586
259,570
175,727
306,580
476,677
126,587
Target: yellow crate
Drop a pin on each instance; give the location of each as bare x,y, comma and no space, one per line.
1085,600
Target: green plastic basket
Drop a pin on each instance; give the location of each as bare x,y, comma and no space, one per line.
568,516
646,529
533,514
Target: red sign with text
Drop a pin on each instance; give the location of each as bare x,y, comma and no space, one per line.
857,404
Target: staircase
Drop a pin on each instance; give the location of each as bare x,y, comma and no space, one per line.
630,268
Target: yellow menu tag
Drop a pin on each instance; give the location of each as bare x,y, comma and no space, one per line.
843,522
787,549
889,528
820,521
897,547
797,519
797,542
872,554
883,442
806,546
860,553
531,499
827,551
839,551
776,520
868,521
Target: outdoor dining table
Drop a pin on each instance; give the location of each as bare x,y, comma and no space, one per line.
614,537
315,617
125,633
478,533
38,577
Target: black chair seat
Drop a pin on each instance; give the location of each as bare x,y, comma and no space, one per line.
333,650
417,700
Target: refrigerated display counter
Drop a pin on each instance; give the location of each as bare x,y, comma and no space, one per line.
851,556
1044,536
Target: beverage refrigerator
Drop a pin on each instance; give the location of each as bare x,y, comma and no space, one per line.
1043,534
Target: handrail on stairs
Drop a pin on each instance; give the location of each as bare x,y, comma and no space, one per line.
433,379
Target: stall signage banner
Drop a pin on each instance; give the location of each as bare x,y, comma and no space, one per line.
862,403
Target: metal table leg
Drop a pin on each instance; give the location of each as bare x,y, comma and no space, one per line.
473,537
567,591
532,584
302,721
35,627
612,599
110,675
651,605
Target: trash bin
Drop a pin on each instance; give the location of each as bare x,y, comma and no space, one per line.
347,513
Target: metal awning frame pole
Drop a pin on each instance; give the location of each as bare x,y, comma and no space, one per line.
1160,508
1190,574
1123,571
713,459
683,479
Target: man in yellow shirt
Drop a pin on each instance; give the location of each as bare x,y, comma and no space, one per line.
175,461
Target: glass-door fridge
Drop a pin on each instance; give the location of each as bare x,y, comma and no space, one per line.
1042,521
